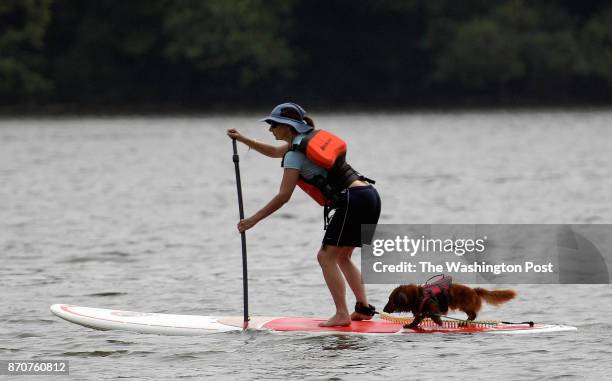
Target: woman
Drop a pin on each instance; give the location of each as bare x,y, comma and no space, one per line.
352,196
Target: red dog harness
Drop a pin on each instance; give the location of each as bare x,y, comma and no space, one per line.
436,292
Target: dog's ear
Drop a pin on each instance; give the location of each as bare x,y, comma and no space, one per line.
401,299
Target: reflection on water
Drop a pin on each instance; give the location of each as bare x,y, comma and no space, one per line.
335,342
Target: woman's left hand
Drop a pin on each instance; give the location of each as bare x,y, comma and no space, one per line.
246,224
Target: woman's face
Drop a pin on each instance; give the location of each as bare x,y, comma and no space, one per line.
280,131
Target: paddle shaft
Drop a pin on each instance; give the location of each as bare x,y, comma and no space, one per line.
245,280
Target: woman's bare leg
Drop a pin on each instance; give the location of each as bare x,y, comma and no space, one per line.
328,259
353,278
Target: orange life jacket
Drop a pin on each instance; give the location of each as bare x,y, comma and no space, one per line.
329,152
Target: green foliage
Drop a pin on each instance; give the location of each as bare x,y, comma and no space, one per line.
22,28
480,55
103,53
596,45
513,42
207,52
217,34
545,39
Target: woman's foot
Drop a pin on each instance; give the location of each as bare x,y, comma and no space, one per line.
356,316
338,320
363,311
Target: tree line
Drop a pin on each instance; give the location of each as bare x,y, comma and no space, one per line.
203,54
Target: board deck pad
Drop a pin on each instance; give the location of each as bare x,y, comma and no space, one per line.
189,325
309,324
306,324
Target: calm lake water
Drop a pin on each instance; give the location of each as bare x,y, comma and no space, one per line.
140,213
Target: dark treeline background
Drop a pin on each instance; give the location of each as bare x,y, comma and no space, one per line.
74,55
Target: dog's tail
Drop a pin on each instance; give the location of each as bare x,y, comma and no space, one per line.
495,297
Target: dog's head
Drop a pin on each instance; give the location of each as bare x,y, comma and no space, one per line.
402,299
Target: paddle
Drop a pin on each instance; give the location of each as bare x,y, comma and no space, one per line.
245,280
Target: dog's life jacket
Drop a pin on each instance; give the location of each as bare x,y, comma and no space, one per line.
436,292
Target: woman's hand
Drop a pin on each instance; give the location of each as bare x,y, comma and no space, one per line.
235,134
246,224
288,183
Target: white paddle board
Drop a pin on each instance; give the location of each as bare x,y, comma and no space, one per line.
190,325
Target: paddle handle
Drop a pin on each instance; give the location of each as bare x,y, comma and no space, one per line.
245,280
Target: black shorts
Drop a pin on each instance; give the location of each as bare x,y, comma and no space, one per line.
358,205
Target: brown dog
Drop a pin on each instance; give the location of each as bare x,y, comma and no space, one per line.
411,298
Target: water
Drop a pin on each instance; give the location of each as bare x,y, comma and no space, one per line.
140,214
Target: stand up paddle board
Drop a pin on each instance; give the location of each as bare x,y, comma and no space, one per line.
191,325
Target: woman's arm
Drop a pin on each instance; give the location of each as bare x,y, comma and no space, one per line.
290,179
262,148
267,149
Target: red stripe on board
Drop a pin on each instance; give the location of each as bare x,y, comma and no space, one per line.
306,324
